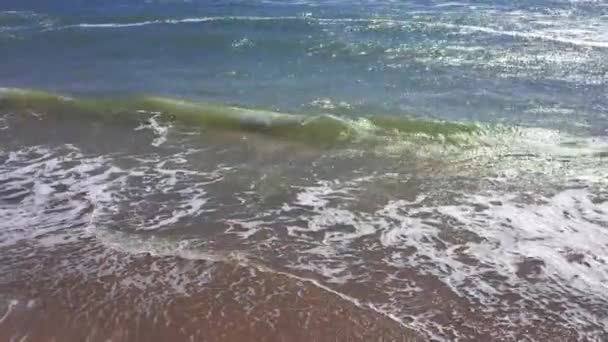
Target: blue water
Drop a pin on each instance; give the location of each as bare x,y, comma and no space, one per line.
536,63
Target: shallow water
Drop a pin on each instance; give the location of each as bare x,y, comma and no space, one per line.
434,170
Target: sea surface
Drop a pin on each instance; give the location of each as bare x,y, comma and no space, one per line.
304,170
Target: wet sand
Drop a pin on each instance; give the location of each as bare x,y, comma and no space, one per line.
120,297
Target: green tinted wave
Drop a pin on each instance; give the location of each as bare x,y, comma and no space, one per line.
326,130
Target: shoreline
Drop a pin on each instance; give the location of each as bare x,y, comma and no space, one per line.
232,303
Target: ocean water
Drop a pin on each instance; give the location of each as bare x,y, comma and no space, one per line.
436,167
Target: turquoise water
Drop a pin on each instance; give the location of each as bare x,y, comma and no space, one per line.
441,164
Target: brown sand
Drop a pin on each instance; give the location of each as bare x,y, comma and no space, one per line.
119,297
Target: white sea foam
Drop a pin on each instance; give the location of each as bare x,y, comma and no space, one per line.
51,194
234,18
325,240
44,194
159,129
326,103
242,43
462,244
506,234
177,197
11,305
176,21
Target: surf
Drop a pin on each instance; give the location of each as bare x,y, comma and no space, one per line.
322,130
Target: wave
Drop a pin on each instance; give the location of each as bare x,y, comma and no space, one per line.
173,21
467,142
530,35
544,36
183,21
323,129
21,20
